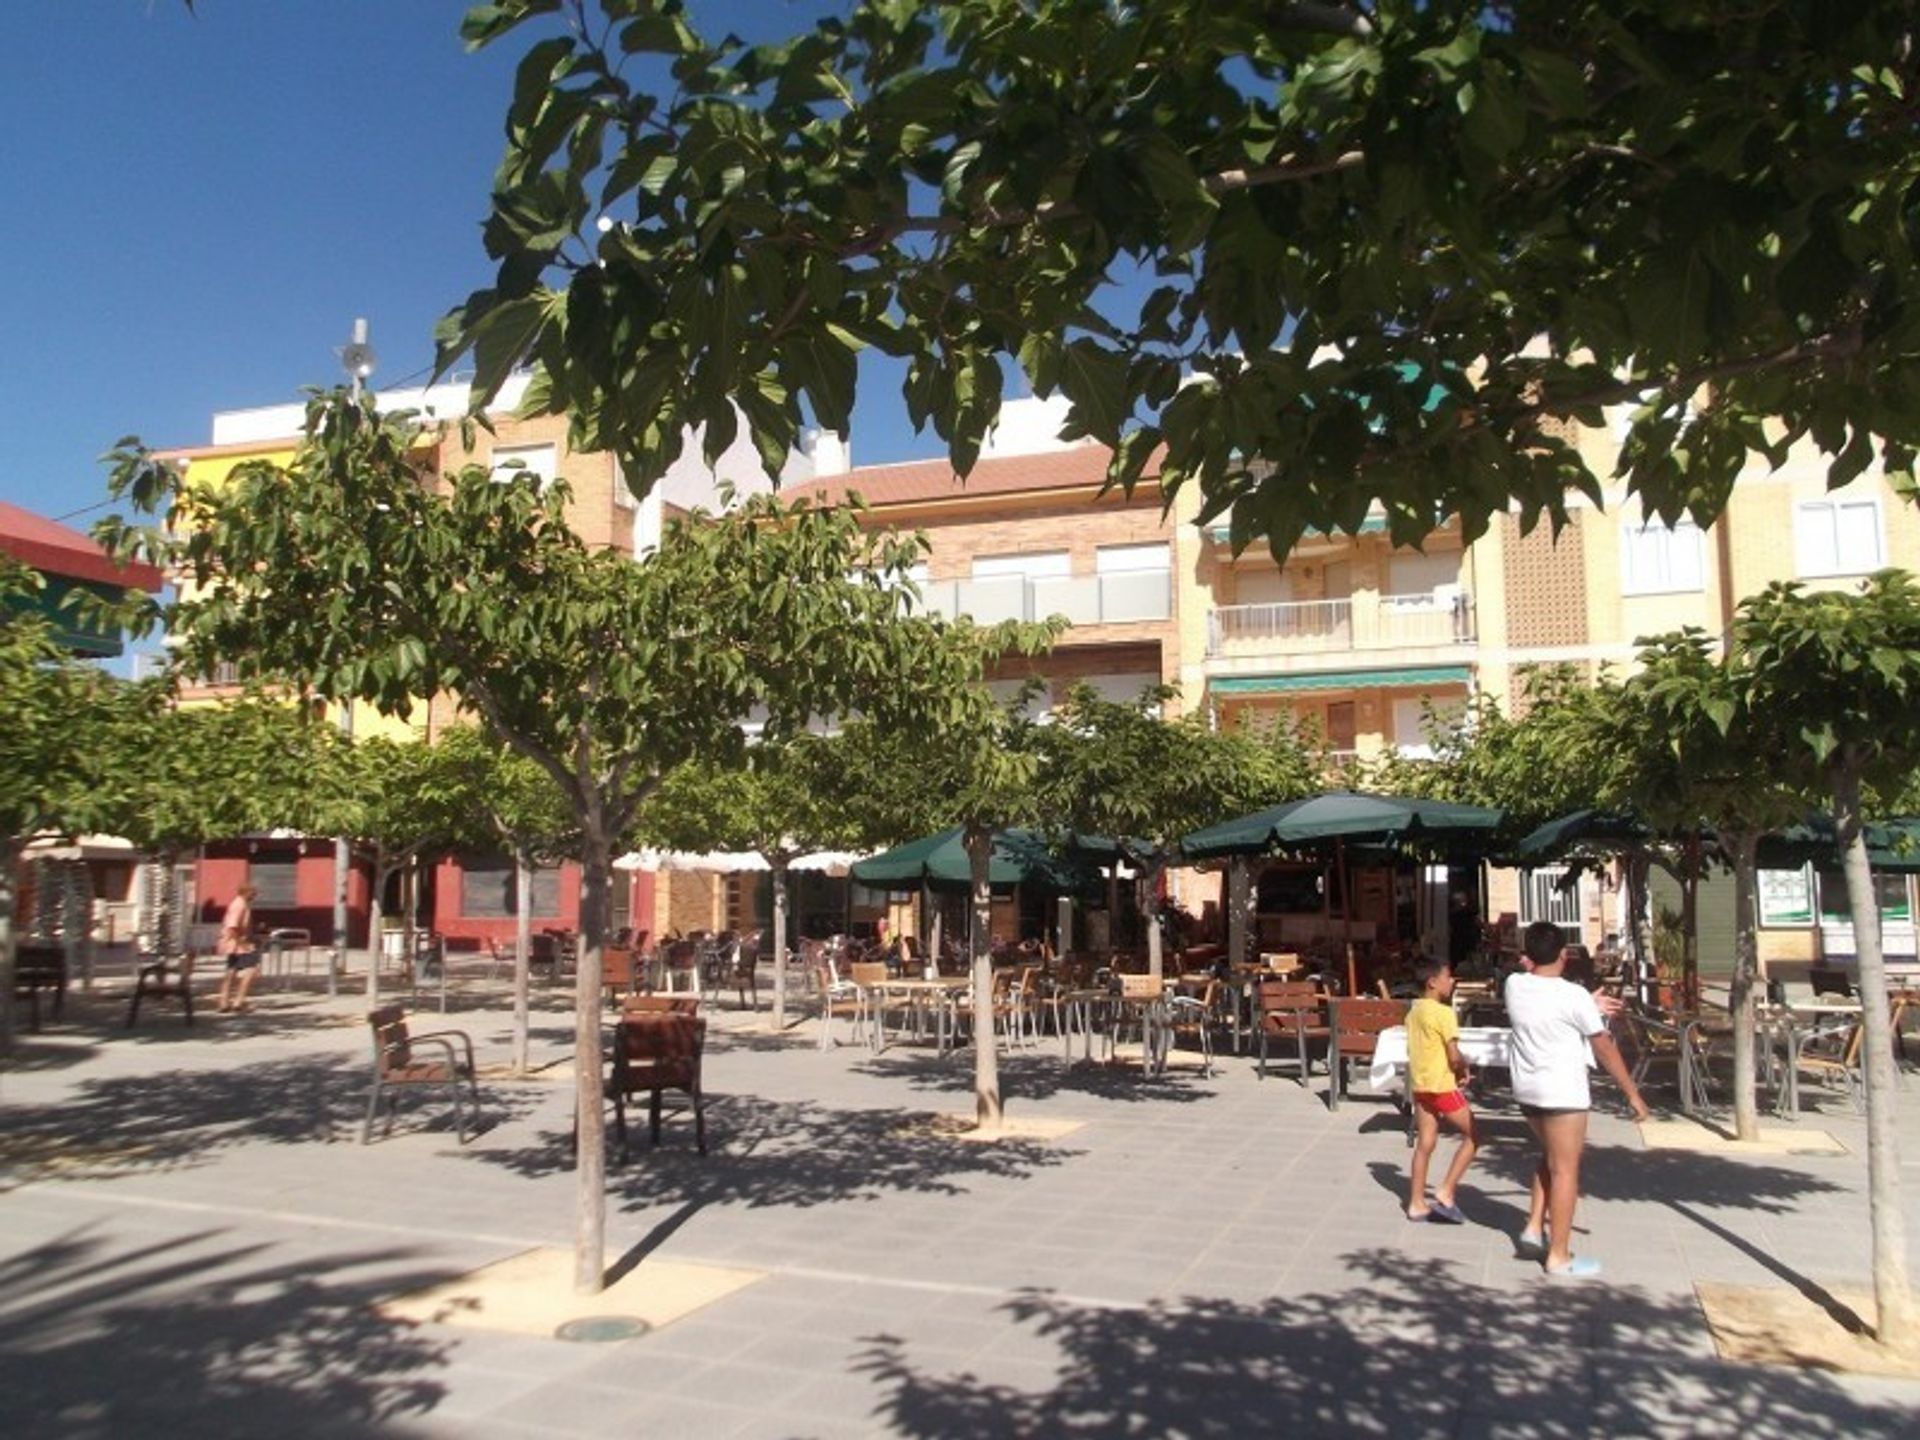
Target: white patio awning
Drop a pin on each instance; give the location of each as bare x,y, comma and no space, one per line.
731,862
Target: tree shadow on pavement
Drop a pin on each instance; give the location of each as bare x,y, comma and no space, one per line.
799,1153
189,1337
1412,1349
133,1124
1041,1077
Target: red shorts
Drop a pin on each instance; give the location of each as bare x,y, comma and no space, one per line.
1439,1102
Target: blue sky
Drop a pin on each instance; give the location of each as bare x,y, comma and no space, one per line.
196,208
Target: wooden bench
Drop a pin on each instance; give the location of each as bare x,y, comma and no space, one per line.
38,967
163,977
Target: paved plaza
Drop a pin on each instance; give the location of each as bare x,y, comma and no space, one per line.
193,1241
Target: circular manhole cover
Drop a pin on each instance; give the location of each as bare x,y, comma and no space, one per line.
597,1329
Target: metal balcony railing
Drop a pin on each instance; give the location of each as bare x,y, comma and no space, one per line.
1142,595
1440,617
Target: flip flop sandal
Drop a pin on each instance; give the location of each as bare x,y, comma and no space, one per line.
1530,1247
1446,1214
1580,1267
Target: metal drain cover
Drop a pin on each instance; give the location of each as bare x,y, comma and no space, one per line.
598,1329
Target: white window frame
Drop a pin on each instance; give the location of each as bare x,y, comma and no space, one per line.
1152,558
1667,582
1825,514
1030,565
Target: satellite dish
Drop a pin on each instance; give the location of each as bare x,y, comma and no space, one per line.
356,356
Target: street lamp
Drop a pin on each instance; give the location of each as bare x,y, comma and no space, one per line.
357,359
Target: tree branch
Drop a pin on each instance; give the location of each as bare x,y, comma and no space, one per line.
1841,344
1322,20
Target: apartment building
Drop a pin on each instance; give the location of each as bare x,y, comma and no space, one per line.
1368,640
1029,535
1359,636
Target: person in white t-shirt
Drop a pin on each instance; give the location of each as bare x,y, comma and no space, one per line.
1556,1027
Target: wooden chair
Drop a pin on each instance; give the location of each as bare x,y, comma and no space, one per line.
654,1053
1356,1031
396,1066
660,1005
869,977
1832,1057
619,973
151,979
838,999
37,968
1142,1010
1293,1011
1193,1017
744,969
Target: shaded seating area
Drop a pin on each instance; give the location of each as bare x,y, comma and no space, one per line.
446,1065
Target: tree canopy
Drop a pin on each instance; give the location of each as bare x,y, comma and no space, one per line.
1305,257
349,572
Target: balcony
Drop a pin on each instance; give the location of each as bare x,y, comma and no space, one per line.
1126,598
1427,620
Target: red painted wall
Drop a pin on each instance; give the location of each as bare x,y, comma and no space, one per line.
223,870
449,922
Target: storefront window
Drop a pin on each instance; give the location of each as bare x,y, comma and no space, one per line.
1896,904
1786,897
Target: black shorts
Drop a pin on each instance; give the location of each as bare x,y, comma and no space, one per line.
243,960
1541,1112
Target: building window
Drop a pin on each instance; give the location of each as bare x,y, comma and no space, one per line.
1657,560
1131,559
487,890
275,884
512,462
1552,894
1038,565
1838,537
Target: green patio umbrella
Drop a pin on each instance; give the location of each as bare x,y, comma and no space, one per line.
1343,816
1580,829
1020,857
1331,821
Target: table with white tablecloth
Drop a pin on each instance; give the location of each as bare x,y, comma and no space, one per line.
1482,1045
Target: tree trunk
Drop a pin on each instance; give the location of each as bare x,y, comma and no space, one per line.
1150,913
1892,1293
1745,845
1689,998
779,867
522,952
375,940
9,873
1639,894
1235,891
408,934
590,1232
988,1111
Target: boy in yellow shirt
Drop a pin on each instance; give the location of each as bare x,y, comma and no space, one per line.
1435,1072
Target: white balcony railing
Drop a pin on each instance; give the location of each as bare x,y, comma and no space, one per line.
1442,617
1083,599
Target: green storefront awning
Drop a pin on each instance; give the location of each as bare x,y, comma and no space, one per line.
1341,680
